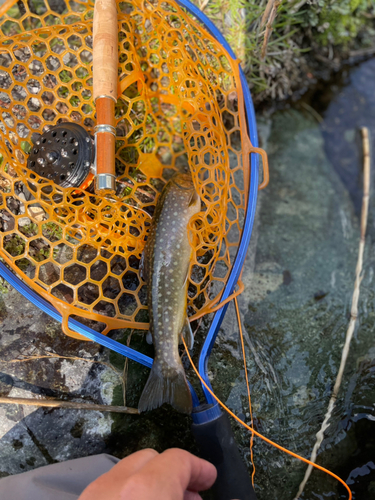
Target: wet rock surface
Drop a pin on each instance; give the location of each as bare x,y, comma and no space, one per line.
29,436
296,307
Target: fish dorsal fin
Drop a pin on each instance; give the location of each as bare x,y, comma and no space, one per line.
187,334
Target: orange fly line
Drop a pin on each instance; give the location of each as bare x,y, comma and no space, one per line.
251,429
247,386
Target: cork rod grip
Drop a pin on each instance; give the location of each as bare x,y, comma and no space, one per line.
105,76
105,49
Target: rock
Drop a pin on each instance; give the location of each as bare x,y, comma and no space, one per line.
37,213
24,221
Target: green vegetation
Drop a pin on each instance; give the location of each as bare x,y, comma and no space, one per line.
22,264
340,23
15,245
3,287
52,231
300,31
39,254
26,147
29,229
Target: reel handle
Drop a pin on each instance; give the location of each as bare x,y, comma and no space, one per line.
105,77
217,445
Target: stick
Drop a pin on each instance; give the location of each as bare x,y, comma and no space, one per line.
266,13
354,309
204,4
55,403
268,31
362,52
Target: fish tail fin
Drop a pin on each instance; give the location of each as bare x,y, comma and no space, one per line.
162,388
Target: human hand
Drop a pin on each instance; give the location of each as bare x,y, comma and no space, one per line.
147,475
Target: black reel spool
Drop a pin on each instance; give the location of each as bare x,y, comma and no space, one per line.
63,154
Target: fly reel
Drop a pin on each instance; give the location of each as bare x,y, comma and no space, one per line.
64,153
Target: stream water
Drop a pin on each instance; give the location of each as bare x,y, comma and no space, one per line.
299,277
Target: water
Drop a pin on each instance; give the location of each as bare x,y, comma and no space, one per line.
299,278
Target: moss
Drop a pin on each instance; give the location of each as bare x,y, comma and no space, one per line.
23,264
15,245
40,254
29,229
26,147
3,288
52,231
338,23
300,32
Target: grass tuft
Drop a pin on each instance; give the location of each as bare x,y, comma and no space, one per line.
296,31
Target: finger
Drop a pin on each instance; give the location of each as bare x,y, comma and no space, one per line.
190,495
185,472
132,464
109,484
196,474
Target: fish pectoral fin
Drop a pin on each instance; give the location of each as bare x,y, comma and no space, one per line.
194,198
149,338
187,334
186,278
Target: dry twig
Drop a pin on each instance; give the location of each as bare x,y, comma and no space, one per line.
362,52
204,4
266,13
270,21
354,309
55,403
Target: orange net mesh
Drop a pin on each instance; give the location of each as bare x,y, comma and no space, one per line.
179,106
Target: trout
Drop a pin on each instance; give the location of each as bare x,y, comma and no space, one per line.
165,266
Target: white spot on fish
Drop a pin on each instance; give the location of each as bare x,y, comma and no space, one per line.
175,213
